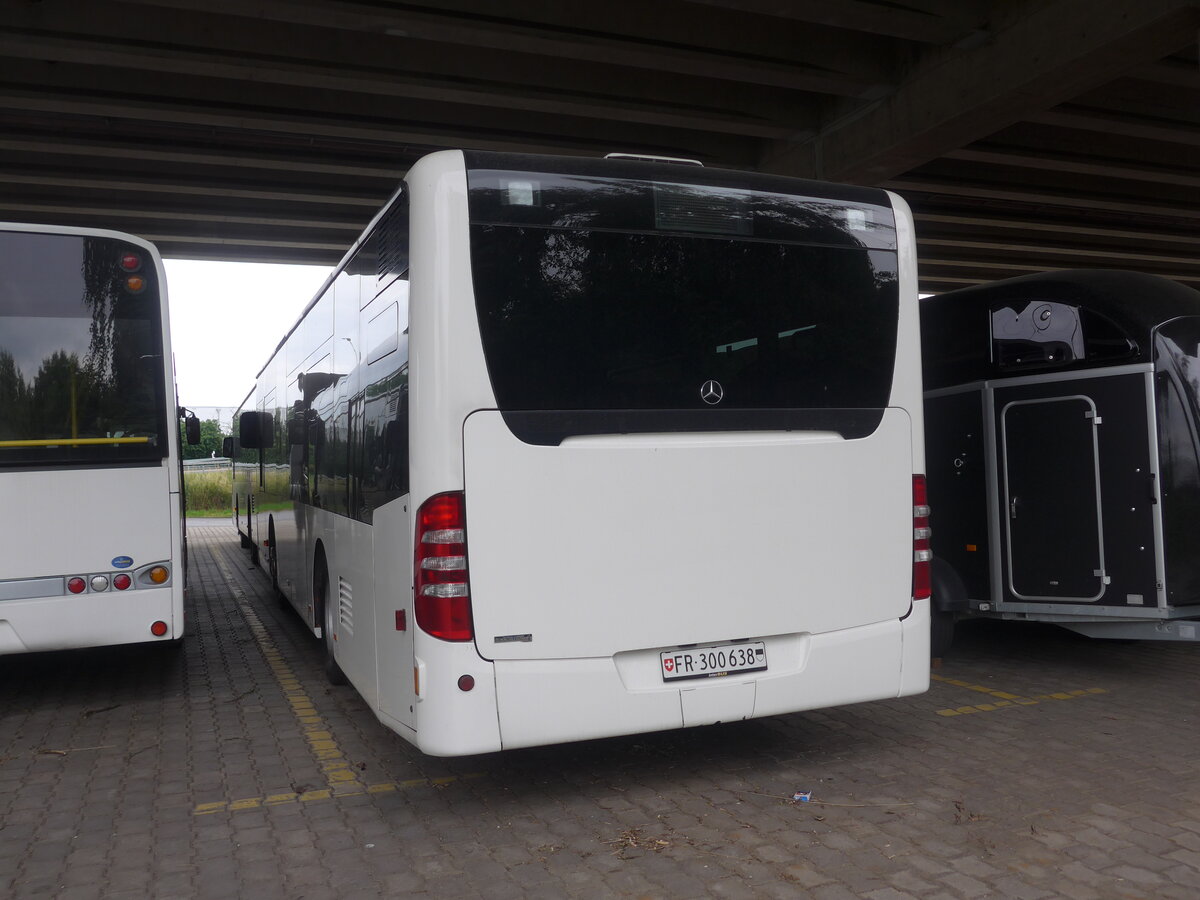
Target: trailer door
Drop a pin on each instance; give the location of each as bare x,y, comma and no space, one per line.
1051,495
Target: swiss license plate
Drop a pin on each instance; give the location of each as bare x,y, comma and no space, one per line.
708,662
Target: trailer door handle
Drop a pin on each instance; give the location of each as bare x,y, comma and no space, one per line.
1012,508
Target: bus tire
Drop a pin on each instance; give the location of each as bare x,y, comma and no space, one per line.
333,672
273,564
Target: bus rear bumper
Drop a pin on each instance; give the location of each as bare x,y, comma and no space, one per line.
554,701
88,620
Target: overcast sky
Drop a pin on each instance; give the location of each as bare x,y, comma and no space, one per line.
227,318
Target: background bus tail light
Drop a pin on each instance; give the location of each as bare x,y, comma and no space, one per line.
922,554
156,575
441,589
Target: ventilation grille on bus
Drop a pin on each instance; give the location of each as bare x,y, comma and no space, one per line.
345,607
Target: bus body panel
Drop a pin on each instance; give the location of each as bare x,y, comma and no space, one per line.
686,538
907,382
448,377
449,721
67,623
394,625
348,547
95,517
75,521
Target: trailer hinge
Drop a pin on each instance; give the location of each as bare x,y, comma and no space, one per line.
1104,579
1096,418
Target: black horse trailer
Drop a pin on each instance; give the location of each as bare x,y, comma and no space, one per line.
1062,429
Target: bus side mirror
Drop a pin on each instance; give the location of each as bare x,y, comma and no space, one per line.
191,428
256,431
227,447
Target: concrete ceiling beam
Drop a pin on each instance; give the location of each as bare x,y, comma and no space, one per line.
956,96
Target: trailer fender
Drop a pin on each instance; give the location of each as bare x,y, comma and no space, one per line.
949,592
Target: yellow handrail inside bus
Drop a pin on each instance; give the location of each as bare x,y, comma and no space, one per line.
75,442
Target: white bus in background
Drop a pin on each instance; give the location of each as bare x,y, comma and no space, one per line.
93,547
568,448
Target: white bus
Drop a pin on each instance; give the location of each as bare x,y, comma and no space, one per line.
89,445
568,448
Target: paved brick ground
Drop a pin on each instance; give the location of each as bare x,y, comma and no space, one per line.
1039,765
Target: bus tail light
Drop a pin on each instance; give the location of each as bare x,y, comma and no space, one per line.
922,554
122,582
158,629
441,589
76,585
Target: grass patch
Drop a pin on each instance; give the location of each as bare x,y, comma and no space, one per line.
208,493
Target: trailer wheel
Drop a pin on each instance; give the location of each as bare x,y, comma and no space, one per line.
941,632
949,597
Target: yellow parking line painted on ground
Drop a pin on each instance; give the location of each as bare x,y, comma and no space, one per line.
338,772
385,787
1004,699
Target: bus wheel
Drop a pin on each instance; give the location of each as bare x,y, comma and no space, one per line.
273,564
333,671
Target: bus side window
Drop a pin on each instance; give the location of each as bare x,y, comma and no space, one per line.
379,428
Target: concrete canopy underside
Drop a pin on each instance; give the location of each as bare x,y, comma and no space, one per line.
1025,136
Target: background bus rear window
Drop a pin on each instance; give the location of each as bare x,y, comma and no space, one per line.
81,369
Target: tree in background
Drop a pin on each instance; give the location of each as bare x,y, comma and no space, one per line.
211,436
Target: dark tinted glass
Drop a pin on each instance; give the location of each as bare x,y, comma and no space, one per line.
608,320
81,368
1045,334
1039,334
588,202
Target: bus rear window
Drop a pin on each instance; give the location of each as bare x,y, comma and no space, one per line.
597,293
579,320
81,368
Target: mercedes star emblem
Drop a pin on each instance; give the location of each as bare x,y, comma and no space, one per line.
711,392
